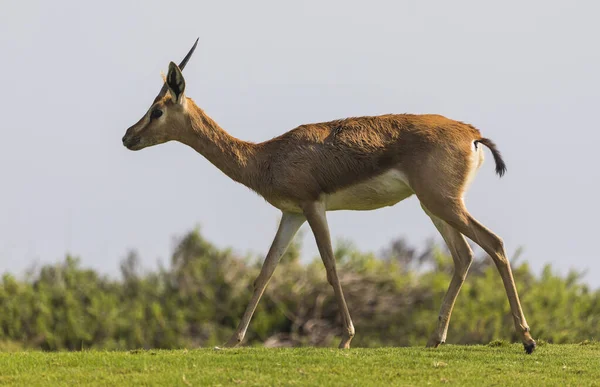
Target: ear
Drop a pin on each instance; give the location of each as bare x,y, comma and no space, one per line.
175,82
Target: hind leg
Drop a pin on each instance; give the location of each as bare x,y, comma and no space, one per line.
452,211
462,255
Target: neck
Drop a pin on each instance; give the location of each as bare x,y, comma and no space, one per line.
234,157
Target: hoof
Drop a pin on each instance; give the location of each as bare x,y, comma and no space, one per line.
345,343
233,342
529,347
433,343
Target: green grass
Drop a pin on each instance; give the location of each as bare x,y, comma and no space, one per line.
495,364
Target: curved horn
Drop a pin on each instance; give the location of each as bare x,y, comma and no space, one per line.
181,67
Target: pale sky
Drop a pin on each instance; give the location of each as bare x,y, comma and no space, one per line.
76,74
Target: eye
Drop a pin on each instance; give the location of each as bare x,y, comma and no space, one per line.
155,114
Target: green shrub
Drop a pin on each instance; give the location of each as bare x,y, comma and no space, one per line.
200,297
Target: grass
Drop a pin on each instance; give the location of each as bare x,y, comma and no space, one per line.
495,364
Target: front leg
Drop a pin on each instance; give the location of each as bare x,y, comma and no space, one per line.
317,219
288,227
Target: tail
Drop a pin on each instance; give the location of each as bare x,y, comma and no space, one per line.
500,166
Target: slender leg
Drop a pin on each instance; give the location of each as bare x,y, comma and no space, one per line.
462,255
289,225
455,214
317,219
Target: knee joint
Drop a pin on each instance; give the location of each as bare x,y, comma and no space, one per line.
331,278
462,267
469,257
499,246
501,261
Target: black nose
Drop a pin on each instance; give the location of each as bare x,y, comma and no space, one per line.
130,141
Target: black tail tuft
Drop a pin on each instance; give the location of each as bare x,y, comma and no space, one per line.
500,166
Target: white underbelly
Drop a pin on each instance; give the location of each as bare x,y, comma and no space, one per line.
384,190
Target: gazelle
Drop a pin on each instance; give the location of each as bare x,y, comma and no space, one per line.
359,163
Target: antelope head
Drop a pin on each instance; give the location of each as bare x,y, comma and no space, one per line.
166,118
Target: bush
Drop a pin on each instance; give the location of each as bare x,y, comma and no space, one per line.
199,299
